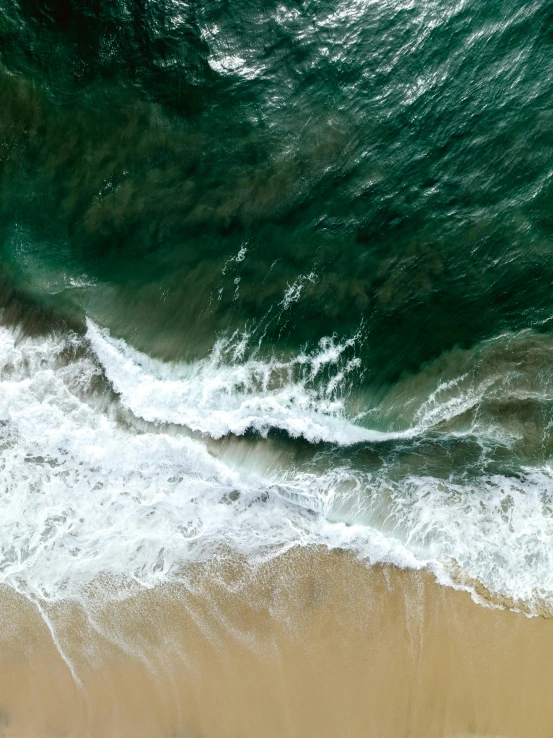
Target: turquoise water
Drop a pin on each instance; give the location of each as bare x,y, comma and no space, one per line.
312,240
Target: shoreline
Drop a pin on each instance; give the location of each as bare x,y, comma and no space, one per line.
313,644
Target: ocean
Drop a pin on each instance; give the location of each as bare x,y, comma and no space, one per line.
275,278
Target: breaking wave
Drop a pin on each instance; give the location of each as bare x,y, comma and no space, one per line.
113,462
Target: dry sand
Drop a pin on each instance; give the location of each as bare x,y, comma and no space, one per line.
312,645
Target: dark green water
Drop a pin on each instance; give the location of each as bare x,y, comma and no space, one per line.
399,152
373,172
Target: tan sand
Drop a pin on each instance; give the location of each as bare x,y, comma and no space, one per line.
313,645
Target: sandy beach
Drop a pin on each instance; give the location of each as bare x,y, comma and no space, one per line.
311,645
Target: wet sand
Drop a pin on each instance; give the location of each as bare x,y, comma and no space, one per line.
311,645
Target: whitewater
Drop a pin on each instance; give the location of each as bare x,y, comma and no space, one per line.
114,463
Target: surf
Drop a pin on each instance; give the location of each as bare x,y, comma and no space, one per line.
126,466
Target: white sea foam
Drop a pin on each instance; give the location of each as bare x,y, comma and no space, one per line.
83,494
86,491
495,530
229,394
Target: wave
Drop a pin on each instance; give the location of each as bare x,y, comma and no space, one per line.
100,483
85,493
227,394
